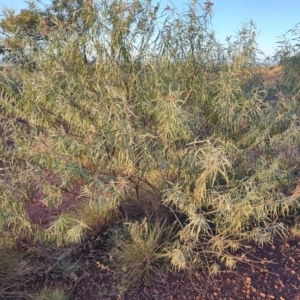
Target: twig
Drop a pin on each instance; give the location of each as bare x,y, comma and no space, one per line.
187,97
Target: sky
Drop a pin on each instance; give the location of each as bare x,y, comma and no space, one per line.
273,17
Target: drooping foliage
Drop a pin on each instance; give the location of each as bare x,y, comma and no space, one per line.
152,117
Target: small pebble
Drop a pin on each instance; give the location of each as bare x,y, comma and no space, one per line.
262,295
292,259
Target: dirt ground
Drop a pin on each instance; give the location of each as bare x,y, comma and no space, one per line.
87,276
277,277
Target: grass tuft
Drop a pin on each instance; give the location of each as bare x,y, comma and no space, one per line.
141,252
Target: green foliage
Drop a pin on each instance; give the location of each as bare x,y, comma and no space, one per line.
66,230
15,29
287,55
26,21
146,112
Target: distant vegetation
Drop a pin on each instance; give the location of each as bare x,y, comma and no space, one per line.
131,120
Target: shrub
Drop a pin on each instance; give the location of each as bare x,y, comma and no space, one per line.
164,117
